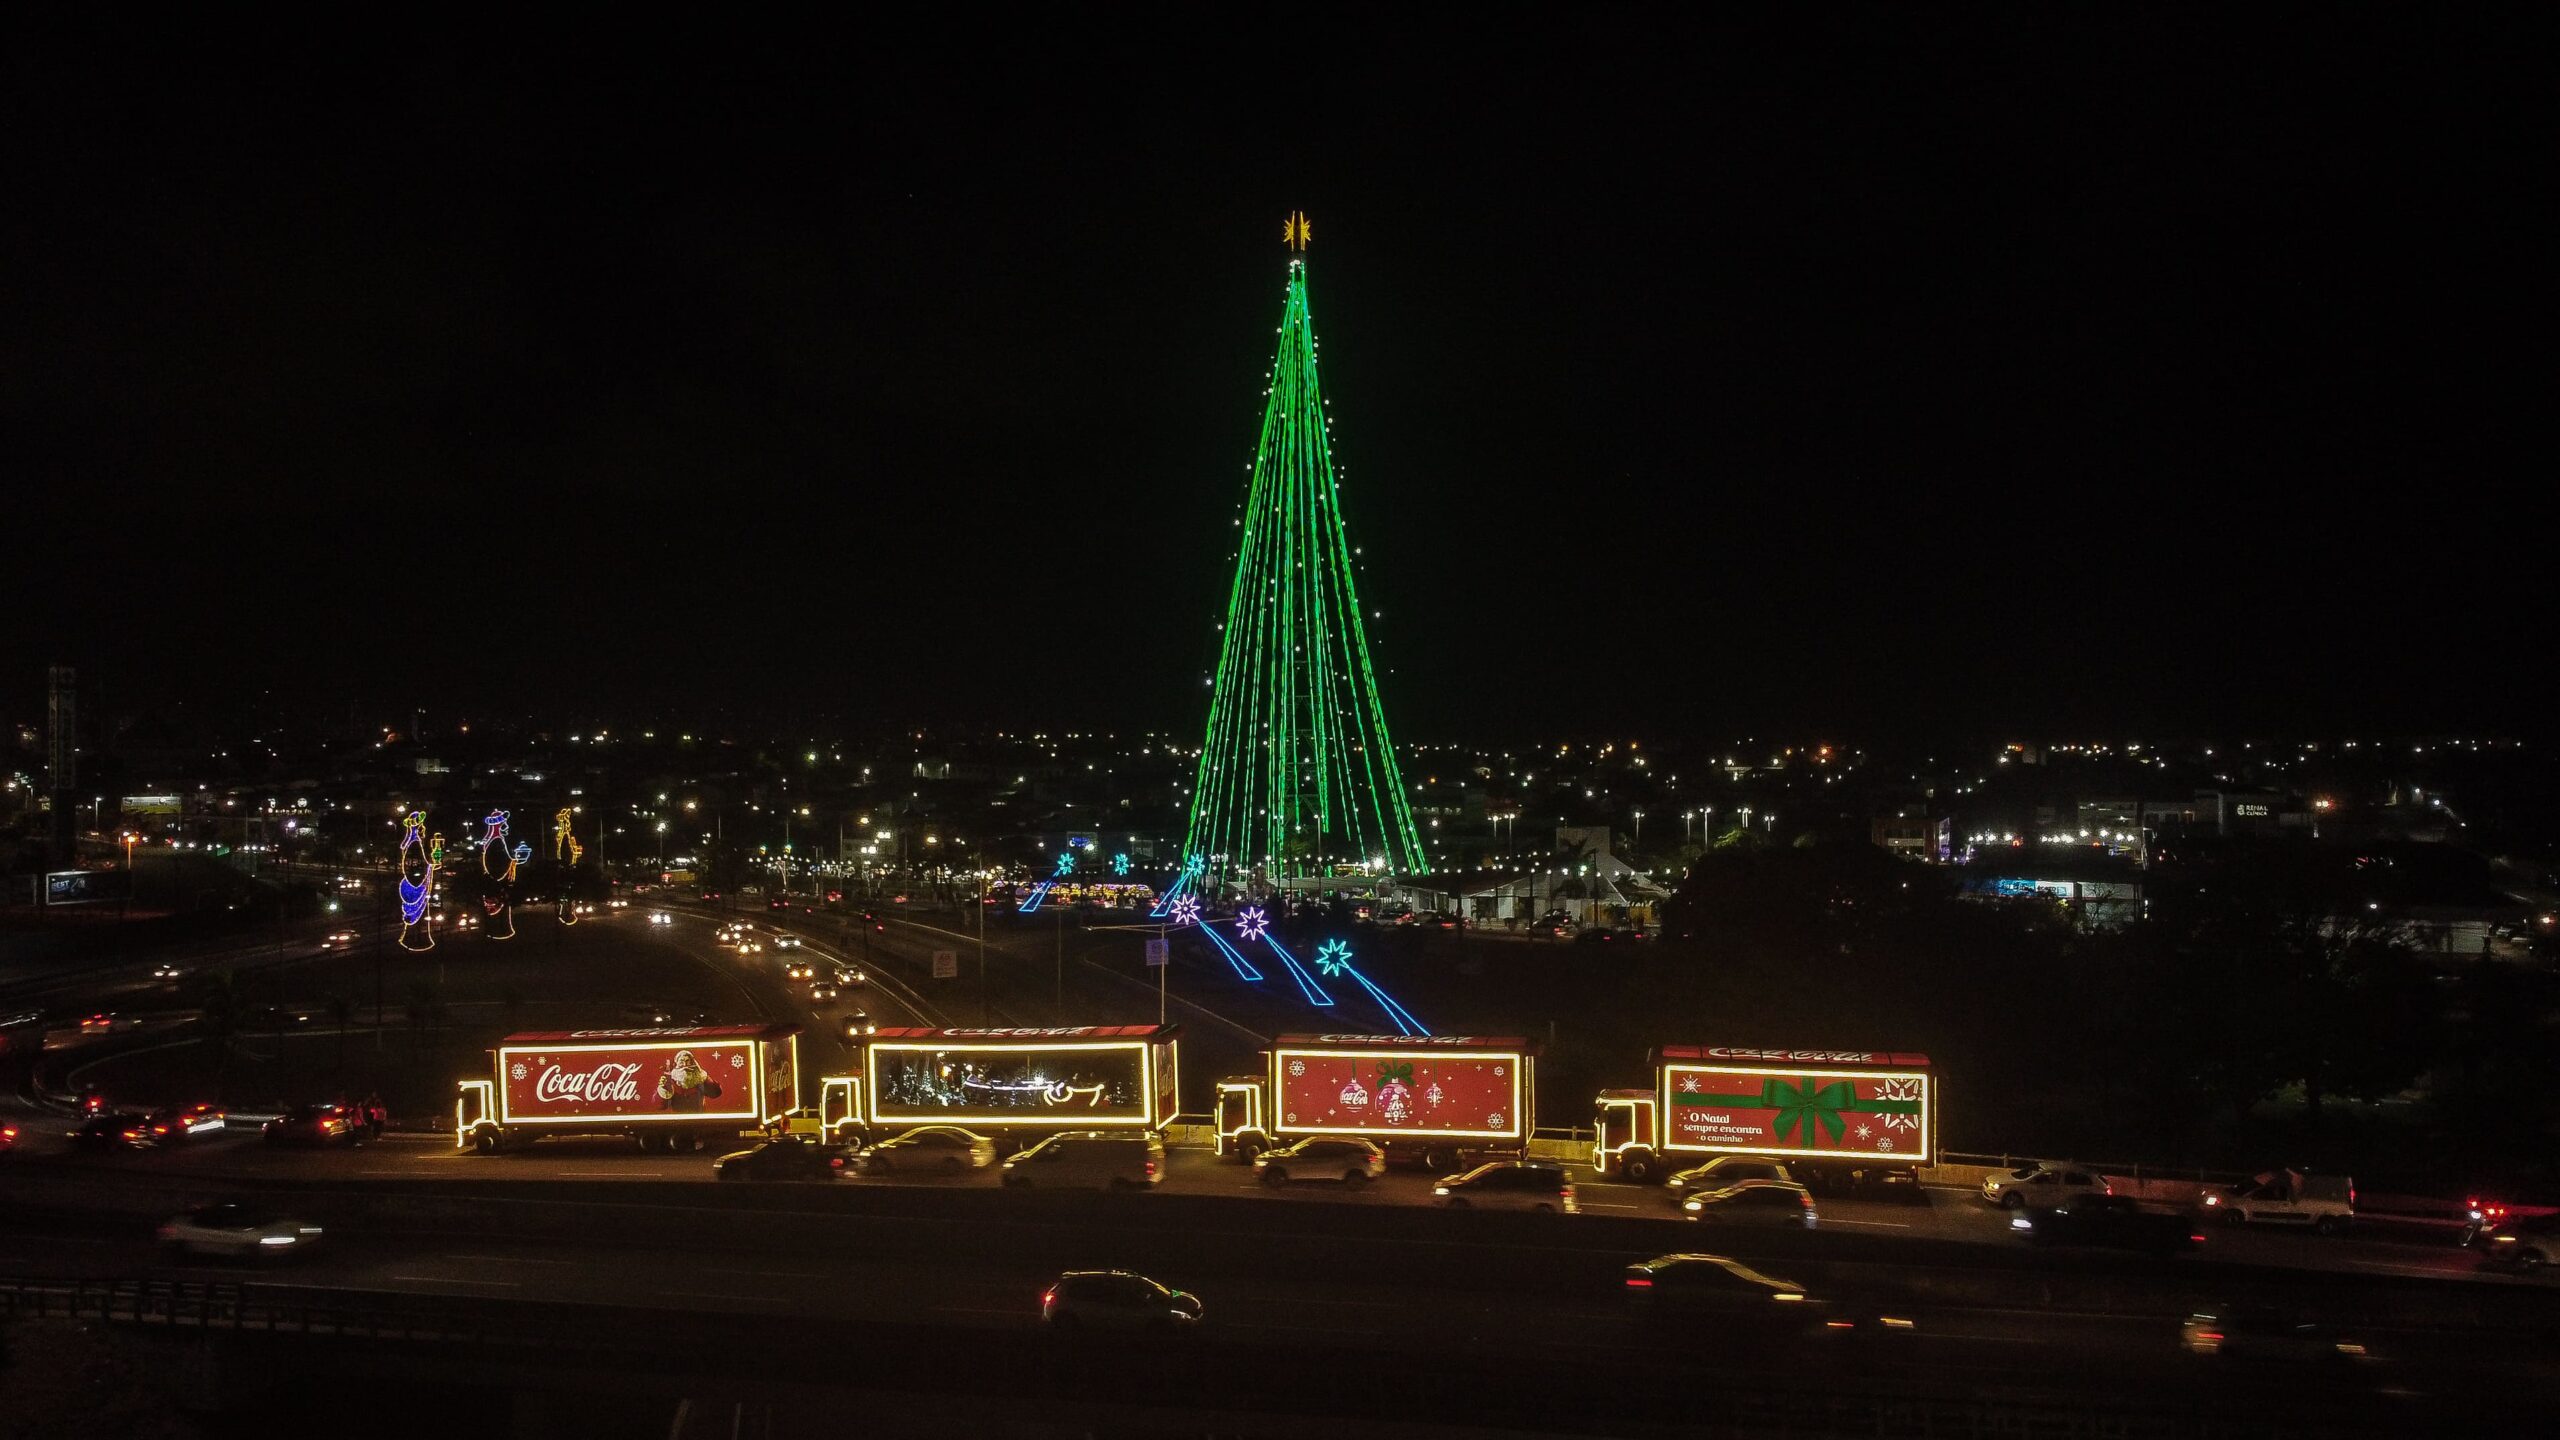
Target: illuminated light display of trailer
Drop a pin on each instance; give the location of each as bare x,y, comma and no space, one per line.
1082,1077
1857,1110
664,1087
1444,1096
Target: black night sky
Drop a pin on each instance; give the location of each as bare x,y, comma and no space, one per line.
2048,370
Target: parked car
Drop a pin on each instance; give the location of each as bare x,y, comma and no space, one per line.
1088,1159
1754,1202
2113,1222
2525,1245
238,1231
2041,1185
785,1158
180,1122
312,1125
1508,1185
1727,1170
2325,1203
2263,1332
930,1147
1116,1300
110,1129
1348,1163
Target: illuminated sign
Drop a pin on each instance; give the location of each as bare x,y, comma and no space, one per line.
1798,1110
1387,1085
1058,1083
692,1079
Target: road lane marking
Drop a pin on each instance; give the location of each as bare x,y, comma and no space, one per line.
974,1310
509,1260
445,1280
1873,1224
719,1295
1606,1205
611,1174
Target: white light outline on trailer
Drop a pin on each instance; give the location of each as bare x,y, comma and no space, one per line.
755,1068
1146,1119
1925,1155
1518,1128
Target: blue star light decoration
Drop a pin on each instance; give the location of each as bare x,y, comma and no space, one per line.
1251,922
1120,864
1333,957
1186,911
1066,862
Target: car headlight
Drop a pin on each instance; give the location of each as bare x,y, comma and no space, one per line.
277,1239
2213,1199
2022,1223
1439,1189
1693,1206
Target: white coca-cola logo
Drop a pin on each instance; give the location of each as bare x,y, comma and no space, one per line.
606,1083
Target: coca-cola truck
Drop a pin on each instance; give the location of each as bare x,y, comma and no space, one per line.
669,1089
1015,1085
1843,1118
1441,1100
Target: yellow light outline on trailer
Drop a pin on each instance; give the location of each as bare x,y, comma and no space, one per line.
755,1065
1519,1075
1147,1119
1926,1154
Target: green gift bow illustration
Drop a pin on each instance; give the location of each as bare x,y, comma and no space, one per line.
1803,1107
1390,1074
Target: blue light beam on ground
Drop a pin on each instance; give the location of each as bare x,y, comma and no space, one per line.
1243,966
1039,893
1306,982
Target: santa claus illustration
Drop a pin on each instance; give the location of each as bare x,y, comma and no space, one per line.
685,1085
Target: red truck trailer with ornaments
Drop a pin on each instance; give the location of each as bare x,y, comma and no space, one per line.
1848,1118
1440,1100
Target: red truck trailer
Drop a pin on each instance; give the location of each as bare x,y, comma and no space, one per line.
669,1089
1847,1117
1438,1099
1014,1085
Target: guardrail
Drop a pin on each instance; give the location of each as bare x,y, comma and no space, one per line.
201,1305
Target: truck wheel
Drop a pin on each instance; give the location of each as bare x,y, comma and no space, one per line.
1273,1175
1249,1151
1637,1165
1440,1160
485,1141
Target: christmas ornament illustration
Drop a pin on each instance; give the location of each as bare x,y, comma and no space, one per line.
1431,1097
1395,1093
1353,1097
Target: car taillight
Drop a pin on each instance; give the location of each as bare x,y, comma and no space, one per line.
1048,1296
835,1162
1841,1324
2195,1239
1639,1282
2213,1335
1151,1167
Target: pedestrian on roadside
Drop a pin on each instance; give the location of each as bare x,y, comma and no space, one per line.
375,1117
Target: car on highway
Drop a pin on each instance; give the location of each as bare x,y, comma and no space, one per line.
1759,1307
858,1023
8,1136
2041,1185
2108,1222
1116,1300
1326,1159
799,970
2523,1245
1554,925
660,917
338,940
182,1122
946,1148
112,1129
2299,1198
785,1158
1535,1185
311,1125
2264,1332
1088,1160
822,993
851,975
1727,1170
783,940
105,1022
236,1230
1754,1202
167,971
617,903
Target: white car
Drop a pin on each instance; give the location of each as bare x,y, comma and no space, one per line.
659,917
930,1147
2038,1185
236,1230
785,942
849,975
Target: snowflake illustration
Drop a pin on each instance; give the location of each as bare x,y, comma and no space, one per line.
1907,1091
1494,1120
1120,864
1186,911
737,1062
1251,922
1066,862
516,1071
1885,1144
1333,957
1865,1130
1293,1117
1497,1072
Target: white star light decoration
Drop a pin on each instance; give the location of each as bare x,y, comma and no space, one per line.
1251,922
1186,911
1333,957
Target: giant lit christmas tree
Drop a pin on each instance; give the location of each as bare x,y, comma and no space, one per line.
1297,776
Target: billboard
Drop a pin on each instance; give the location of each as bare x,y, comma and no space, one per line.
711,1079
1061,1084
1386,1085
1816,1107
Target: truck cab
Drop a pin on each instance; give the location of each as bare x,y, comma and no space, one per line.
2325,1203
1623,1138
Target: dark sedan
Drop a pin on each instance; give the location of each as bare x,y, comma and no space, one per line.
788,1158
2113,1222
128,1129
